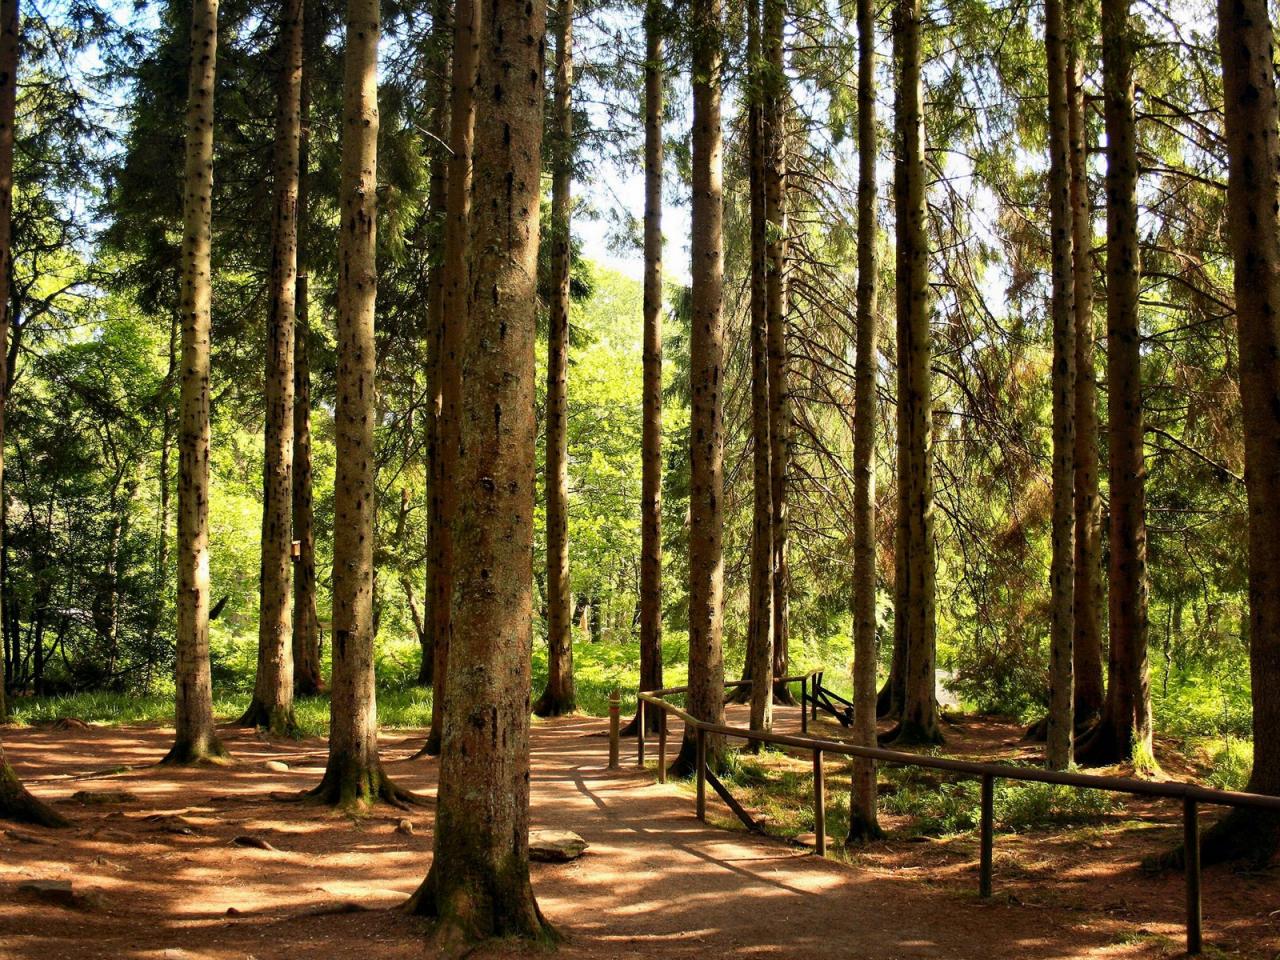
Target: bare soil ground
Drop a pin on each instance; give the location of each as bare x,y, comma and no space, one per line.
166,879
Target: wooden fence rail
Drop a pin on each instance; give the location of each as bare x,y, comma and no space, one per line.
1191,794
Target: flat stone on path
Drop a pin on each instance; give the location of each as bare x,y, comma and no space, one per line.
279,766
555,846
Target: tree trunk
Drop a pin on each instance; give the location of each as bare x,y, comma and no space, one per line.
1253,199
1088,597
354,777
308,678
759,659
16,803
9,40
478,885
919,723
1124,731
706,348
651,429
893,695
196,739
272,703
1061,726
438,91
864,821
558,697
774,135
466,41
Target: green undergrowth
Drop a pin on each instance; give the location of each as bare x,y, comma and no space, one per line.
914,802
599,668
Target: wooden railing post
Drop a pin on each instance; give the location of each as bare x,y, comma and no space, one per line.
662,747
1191,845
804,704
819,806
640,735
813,700
987,835
701,763
615,705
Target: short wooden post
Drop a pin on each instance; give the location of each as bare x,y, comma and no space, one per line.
700,762
662,747
819,806
987,835
804,704
615,705
640,734
813,699
1191,845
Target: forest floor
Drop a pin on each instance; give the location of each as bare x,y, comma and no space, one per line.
160,874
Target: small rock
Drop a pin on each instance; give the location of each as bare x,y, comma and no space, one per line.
406,827
279,766
104,862
233,912
807,839
92,798
256,842
555,846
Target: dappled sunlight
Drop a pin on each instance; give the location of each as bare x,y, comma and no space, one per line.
654,881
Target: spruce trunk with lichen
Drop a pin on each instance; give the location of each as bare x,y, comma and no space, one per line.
864,821
478,886
272,705
196,739
706,372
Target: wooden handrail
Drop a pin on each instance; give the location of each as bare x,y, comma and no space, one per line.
1191,794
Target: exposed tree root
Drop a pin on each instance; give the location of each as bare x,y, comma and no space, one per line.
862,830
653,721
470,910
1243,835
911,734
206,752
19,806
275,721
554,704
356,790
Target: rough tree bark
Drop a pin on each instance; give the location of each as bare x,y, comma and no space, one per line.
918,566
774,136
437,59
466,40
1124,729
651,429
1088,596
272,703
9,39
893,694
354,776
16,802
308,679
196,740
1246,39
706,368
864,822
758,666
1061,725
558,697
478,885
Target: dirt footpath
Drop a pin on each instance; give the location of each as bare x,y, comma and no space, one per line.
163,872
